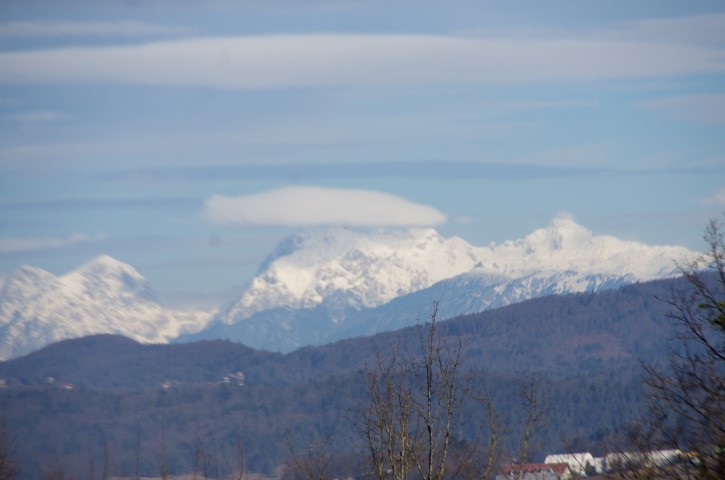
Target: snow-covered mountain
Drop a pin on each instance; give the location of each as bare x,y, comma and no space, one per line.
371,269
334,283
361,270
103,296
325,284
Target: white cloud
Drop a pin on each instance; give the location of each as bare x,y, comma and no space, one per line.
93,29
40,116
717,199
308,206
17,245
280,61
708,108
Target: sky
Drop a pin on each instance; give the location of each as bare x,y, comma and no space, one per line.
188,138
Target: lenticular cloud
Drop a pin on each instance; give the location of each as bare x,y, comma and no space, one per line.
308,206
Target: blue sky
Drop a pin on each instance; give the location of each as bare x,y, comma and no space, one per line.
188,140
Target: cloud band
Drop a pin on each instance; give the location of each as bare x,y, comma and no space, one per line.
10,245
308,206
288,61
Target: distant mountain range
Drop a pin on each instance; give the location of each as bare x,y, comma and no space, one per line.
330,284
72,398
327,284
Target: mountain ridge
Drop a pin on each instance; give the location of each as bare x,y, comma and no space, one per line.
636,306
307,268
587,349
284,309
326,284
373,268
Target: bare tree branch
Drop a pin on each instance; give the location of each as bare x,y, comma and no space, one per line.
687,399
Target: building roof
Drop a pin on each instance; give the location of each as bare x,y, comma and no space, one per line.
580,458
577,461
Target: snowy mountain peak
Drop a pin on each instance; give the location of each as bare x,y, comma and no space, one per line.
107,265
27,273
562,232
106,273
26,281
367,268
330,241
565,245
323,282
102,296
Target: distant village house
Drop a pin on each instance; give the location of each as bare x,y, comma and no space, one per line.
535,471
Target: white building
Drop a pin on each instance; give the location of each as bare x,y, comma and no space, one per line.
535,471
578,462
654,458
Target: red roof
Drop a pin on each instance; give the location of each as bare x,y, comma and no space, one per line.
535,467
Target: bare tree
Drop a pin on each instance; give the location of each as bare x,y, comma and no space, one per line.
414,404
481,459
687,398
239,472
203,461
209,463
492,447
533,409
315,463
385,425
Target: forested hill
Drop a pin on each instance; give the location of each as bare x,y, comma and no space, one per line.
108,397
561,335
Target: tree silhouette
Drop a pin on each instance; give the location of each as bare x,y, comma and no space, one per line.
687,397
